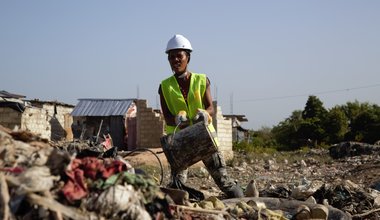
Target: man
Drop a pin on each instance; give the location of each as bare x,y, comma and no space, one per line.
186,98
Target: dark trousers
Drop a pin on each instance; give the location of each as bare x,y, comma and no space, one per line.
216,166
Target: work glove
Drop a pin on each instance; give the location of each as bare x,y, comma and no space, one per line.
203,115
180,117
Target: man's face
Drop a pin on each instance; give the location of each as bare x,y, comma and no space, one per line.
178,60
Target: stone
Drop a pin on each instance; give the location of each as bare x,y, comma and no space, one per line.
303,212
319,212
251,190
303,164
311,199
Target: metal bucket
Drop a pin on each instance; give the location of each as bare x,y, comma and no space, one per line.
188,146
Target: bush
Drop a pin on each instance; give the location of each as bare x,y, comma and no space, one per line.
251,148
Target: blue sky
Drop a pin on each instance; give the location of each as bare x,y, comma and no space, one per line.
263,57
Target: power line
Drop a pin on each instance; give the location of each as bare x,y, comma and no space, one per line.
315,93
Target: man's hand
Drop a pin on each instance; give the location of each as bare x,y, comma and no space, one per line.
181,117
204,116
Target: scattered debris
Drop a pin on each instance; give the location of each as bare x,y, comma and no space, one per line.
79,180
349,149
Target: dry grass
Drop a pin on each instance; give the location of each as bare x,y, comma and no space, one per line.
305,153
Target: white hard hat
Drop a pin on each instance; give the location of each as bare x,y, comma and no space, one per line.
178,42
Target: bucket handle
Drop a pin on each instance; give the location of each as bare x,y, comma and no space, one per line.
175,129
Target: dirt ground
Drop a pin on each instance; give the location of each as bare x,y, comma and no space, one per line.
273,170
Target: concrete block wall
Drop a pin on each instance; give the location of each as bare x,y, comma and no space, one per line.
39,119
36,120
58,124
224,129
56,117
150,126
10,118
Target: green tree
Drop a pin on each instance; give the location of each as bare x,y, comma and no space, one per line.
314,108
336,125
351,122
312,127
353,109
263,138
285,132
311,132
365,126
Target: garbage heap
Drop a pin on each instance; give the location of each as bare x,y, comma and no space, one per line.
39,181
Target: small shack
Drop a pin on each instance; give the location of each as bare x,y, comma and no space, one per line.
238,132
50,119
130,123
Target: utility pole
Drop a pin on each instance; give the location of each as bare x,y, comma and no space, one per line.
216,93
157,101
138,91
232,103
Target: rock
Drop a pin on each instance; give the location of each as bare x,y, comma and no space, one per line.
304,191
271,165
376,202
311,199
251,190
240,169
214,189
206,204
178,196
305,181
303,164
311,161
270,162
244,206
319,212
218,205
237,211
201,172
349,149
257,205
303,212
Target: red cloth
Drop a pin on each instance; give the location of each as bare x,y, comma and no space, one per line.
115,166
91,166
15,170
88,167
75,188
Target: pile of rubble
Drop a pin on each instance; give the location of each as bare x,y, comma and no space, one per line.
39,182
42,181
350,183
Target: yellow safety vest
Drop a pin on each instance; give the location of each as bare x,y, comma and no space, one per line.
176,102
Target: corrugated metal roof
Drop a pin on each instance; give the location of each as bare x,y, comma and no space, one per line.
5,94
102,107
